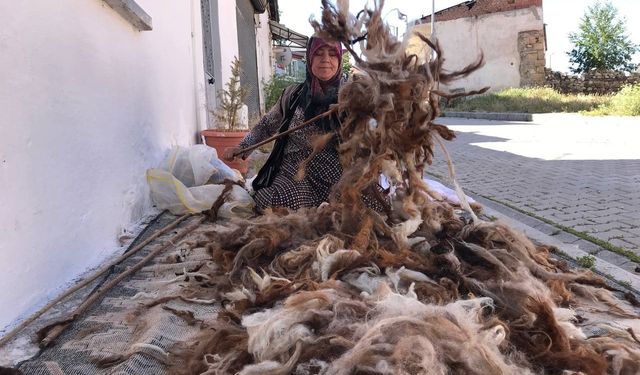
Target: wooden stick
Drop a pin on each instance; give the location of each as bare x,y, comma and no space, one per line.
87,281
251,148
57,329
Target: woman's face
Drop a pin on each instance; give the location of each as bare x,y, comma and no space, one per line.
325,63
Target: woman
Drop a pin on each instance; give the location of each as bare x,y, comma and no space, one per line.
276,185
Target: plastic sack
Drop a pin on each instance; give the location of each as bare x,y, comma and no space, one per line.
191,183
196,165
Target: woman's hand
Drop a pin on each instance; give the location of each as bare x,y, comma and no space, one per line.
230,154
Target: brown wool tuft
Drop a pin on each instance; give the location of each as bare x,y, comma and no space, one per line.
343,289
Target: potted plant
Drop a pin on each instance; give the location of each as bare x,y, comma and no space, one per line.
228,133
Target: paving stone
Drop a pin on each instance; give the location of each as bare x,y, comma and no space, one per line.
630,221
605,210
573,223
584,228
611,234
600,228
620,243
634,241
599,197
549,213
606,219
634,231
631,215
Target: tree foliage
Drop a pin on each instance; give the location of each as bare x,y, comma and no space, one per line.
274,88
601,41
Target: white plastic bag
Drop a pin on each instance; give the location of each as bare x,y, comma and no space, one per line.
199,164
185,185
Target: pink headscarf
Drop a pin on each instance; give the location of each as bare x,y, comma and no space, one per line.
312,46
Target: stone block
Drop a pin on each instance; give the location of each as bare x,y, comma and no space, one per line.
537,77
588,246
613,258
565,237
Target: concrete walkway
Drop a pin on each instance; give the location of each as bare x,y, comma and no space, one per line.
570,170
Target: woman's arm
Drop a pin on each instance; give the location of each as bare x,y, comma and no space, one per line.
264,129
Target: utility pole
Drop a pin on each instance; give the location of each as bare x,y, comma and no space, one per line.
433,15
433,31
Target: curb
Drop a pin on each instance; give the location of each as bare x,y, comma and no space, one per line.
497,116
615,273
568,245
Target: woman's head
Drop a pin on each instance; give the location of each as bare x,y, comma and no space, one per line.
323,59
325,63
324,73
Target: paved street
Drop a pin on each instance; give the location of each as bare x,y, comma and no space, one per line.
580,172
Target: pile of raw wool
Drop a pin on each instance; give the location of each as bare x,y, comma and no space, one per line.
342,289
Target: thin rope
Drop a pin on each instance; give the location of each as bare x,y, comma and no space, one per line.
452,176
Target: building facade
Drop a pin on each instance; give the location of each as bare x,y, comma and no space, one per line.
508,33
94,93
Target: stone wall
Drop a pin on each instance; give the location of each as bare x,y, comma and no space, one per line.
596,82
531,49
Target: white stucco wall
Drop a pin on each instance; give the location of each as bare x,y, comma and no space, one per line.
88,104
496,35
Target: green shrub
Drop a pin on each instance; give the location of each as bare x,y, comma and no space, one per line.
273,88
587,261
529,100
624,103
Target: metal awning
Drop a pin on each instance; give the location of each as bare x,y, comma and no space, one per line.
259,5
283,33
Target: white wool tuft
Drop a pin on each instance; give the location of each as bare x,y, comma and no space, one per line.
273,332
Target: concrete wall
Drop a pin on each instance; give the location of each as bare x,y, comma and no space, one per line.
88,104
495,34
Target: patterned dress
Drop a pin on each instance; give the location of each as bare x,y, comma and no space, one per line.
321,173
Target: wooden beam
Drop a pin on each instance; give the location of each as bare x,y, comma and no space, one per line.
132,12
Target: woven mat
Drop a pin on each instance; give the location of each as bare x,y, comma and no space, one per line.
137,339
109,329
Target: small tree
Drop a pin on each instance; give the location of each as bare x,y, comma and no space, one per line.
231,98
346,63
601,42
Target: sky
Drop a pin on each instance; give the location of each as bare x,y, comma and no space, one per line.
561,17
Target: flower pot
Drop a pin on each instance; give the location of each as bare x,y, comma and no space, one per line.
221,140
